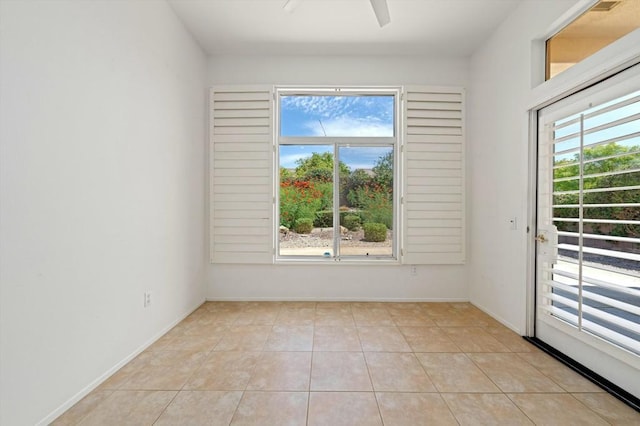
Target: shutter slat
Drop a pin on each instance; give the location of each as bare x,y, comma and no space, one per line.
434,97
434,156
239,214
239,147
434,206
420,130
235,155
436,223
242,113
433,106
432,113
434,122
236,197
240,164
436,232
242,130
247,230
429,165
241,175
241,181
243,138
434,214
240,105
435,147
433,198
241,189
434,181
241,172
434,170
427,189
243,122
242,205
241,223
241,95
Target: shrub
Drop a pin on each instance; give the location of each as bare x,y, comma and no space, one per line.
375,232
324,219
298,199
375,204
319,175
351,222
303,225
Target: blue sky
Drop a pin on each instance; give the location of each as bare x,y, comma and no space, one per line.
354,157
620,130
338,116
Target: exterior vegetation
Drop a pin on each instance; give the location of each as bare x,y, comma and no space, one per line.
304,225
365,196
602,163
375,232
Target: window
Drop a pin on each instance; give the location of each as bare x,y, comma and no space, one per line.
601,25
337,161
350,158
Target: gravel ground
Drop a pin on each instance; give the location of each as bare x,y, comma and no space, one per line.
323,237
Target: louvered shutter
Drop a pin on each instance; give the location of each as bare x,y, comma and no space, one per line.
434,188
241,173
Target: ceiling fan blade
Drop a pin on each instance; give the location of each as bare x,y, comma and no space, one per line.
381,9
290,5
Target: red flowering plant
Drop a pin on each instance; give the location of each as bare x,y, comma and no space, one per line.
299,199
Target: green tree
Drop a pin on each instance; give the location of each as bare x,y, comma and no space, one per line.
383,171
318,164
602,164
285,174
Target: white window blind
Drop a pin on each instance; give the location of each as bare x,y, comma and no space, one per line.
594,184
241,175
433,163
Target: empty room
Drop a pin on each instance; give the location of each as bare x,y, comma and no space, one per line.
319,212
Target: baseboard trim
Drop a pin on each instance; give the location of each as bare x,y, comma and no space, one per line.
97,382
330,299
613,389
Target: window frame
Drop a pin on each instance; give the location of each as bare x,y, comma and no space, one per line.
580,12
395,142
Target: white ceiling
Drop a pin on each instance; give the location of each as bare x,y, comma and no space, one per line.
341,27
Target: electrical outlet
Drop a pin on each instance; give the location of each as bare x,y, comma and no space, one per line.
147,299
414,270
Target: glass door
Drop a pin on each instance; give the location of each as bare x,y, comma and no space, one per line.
588,228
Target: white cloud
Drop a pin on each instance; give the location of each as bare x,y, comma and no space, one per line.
320,106
337,106
289,161
350,126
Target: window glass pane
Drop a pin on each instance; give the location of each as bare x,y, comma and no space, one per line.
306,200
336,116
600,26
366,201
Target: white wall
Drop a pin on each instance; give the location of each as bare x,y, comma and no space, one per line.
338,70
102,192
497,152
337,282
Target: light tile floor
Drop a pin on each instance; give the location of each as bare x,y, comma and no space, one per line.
298,363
